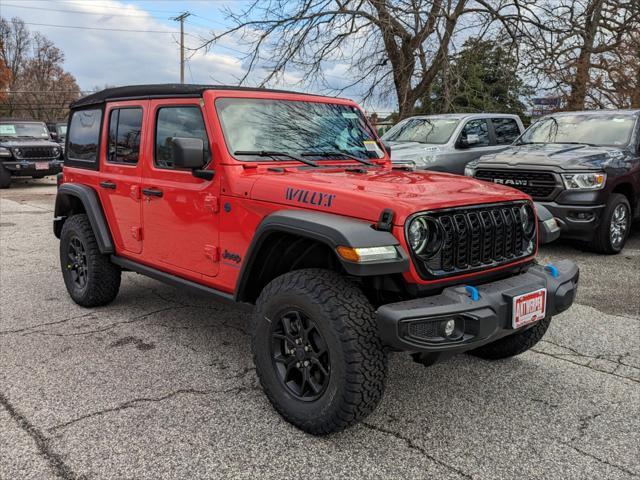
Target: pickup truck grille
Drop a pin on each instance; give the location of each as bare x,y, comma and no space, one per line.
30,153
539,185
476,238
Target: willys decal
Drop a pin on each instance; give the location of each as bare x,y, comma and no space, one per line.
308,197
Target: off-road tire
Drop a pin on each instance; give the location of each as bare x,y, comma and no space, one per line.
102,277
513,344
346,320
5,177
601,242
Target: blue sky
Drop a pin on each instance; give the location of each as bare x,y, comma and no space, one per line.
147,55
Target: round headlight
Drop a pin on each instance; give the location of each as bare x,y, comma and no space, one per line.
17,152
56,151
424,236
528,219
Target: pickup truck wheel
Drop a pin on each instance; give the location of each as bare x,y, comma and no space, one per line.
91,279
614,226
317,351
5,177
513,344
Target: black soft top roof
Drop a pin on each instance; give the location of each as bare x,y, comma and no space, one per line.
162,90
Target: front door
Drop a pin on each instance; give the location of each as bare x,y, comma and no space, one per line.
121,173
180,211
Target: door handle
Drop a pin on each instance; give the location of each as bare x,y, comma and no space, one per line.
152,192
109,185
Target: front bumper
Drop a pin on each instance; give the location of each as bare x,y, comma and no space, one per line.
577,222
28,168
411,325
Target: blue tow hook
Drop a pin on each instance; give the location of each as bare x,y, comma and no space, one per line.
473,292
551,268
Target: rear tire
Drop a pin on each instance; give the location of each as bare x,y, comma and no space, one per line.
90,277
5,177
319,318
513,344
614,228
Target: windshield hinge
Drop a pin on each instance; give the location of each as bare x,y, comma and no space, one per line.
385,222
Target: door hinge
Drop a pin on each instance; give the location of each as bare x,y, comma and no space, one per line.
211,203
134,192
212,253
136,232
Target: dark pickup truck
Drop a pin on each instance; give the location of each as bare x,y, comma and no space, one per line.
584,167
26,150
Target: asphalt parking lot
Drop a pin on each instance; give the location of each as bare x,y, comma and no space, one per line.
160,384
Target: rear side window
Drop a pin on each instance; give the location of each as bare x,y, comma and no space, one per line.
125,125
506,130
476,132
178,122
84,138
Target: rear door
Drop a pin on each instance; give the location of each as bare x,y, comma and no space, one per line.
179,211
505,131
121,172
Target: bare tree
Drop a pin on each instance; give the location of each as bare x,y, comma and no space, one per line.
39,88
570,45
391,47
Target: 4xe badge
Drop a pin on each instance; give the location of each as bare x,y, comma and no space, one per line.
309,198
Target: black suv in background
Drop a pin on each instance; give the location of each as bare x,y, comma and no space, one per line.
26,150
58,131
584,167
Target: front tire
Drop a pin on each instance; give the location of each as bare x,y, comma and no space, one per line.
90,277
614,228
513,344
317,351
5,177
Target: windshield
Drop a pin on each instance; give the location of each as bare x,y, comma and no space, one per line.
62,130
422,130
295,128
24,129
597,129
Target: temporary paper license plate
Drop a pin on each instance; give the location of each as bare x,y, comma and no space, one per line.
42,166
529,307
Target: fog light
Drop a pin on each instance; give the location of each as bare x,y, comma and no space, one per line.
449,327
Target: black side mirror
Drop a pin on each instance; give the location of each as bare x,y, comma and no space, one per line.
54,136
189,153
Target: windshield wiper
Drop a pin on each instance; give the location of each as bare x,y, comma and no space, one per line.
337,153
274,155
577,143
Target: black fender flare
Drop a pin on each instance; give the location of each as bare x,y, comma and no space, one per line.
331,230
92,206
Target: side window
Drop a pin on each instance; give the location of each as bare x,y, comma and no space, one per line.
83,138
506,130
125,125
476,134
178,122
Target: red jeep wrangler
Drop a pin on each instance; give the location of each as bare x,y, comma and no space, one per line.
288,203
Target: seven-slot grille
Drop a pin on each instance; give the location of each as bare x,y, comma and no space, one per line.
29,153
536,184
477,237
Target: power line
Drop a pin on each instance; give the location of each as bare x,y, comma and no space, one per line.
81,12
103,29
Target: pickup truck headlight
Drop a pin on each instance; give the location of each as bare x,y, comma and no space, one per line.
584,181
469,171
5,152
424,236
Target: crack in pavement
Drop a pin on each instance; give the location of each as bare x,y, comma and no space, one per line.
413,446
55,461
32,327
135,403
588,365
600,460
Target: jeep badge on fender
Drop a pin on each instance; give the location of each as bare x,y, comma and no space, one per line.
288,205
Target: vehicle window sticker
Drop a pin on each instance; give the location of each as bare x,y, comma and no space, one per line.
7,130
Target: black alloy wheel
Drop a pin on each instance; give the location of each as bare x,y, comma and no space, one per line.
77,262
300,355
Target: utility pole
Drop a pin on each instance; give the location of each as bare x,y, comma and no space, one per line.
180,18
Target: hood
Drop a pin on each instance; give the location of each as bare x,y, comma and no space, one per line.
26,142
565,156
413,151
365,195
